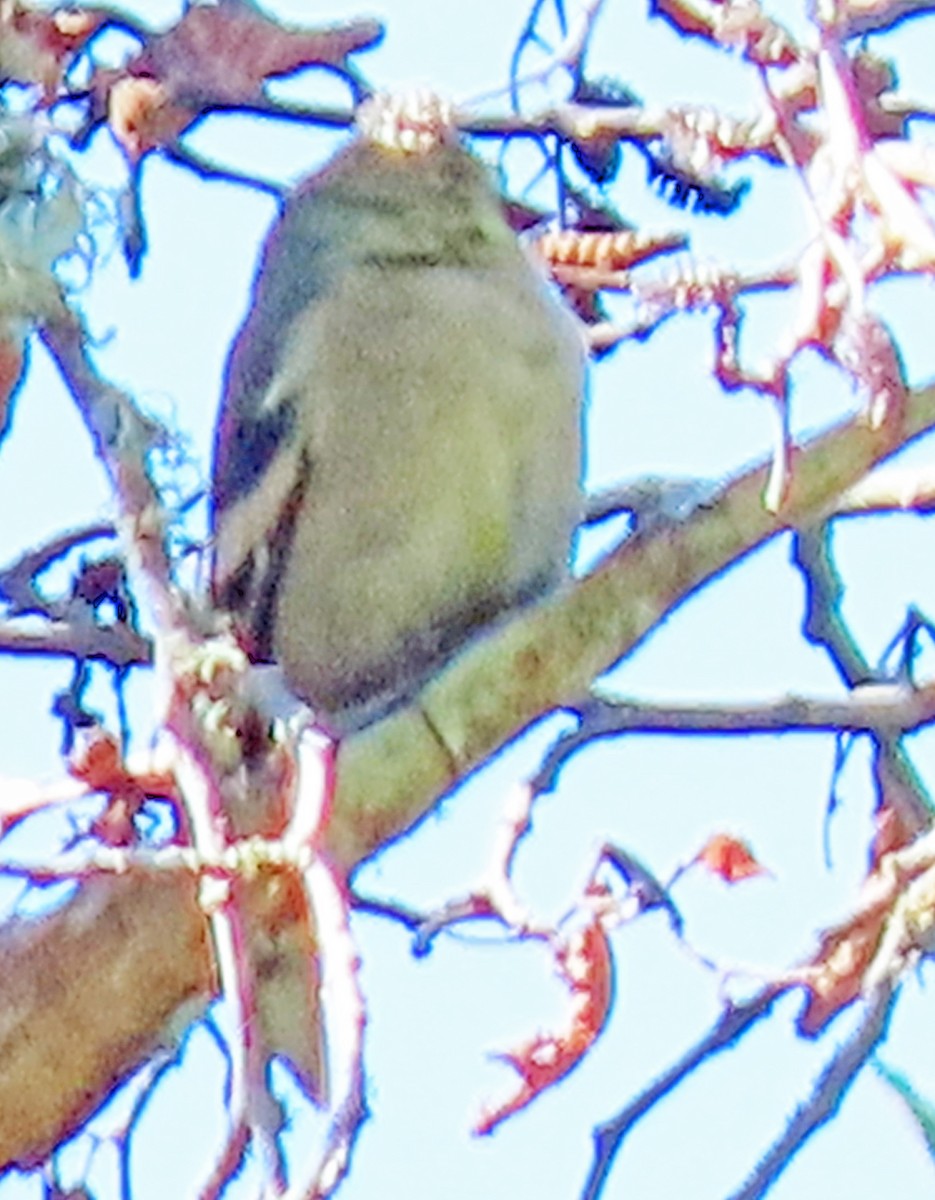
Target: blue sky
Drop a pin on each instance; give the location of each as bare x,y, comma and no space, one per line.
654,409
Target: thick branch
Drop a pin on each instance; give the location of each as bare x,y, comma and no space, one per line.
87,993
389,777
393,773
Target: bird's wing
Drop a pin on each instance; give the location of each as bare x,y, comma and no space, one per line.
245,526
260,456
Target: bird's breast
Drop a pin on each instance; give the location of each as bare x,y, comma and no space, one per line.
442,425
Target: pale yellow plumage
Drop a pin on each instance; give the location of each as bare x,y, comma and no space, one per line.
398,456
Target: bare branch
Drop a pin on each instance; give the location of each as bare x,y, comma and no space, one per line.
891,489
824,625
832,1086
118,644
745,27
860,17
543,660
117,963
18,580
122,439
870,708
609,1137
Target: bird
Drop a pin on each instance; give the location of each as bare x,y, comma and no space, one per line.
398,452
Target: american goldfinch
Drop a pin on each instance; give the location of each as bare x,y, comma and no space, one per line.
398,452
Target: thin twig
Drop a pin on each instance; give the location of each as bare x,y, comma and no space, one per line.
830,1089
898,783
608,1138
118,645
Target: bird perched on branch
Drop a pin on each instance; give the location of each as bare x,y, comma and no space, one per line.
398,451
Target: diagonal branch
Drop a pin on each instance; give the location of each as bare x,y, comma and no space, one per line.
392,774
608,1138
830,1089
